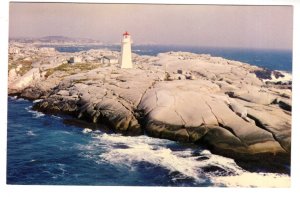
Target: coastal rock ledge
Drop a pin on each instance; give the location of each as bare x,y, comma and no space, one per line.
180,96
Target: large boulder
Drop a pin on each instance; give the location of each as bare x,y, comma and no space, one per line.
273,119
105,98
26,80
253,94
192,111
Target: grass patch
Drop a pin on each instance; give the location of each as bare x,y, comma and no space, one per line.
24,69
11,66
72,69
26,66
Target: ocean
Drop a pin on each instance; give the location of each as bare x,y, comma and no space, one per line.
269,59
42,150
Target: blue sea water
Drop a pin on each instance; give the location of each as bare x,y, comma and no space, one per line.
267,58
42,150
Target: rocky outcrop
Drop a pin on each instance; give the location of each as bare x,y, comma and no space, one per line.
26,80
196,112
110,98
180,96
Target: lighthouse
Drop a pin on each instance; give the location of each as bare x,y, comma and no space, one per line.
125,59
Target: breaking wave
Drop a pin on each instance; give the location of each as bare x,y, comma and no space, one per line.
287,77
35,114
86,130
182,163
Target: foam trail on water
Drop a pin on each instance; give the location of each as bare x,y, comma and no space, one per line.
30,133
56,117
148,150
35,114
200,165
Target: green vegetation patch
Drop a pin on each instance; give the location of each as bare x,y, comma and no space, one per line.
72,69
24,69
26,66
11,66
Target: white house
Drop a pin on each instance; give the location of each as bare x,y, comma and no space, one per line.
109,59
75,60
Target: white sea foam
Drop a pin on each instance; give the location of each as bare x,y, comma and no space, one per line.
287,77
61,167
86,130
66,132
29,108
35,114
156,152
38,100
86,147
30,133
19,99
56,171
117,138
160,157
56,117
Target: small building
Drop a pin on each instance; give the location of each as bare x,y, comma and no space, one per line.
109,59
75,60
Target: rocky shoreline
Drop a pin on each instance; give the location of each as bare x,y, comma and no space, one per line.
192,98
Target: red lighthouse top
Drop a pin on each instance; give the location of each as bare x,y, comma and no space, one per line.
126,34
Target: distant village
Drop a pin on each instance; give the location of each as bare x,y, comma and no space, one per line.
20,50
110,58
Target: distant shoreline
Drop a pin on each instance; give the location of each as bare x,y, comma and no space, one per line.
258,57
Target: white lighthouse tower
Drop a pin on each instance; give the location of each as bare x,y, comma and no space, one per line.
125,59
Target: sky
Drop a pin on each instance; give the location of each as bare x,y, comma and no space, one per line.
268,27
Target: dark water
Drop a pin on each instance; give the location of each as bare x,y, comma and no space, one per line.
41,149
270,59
